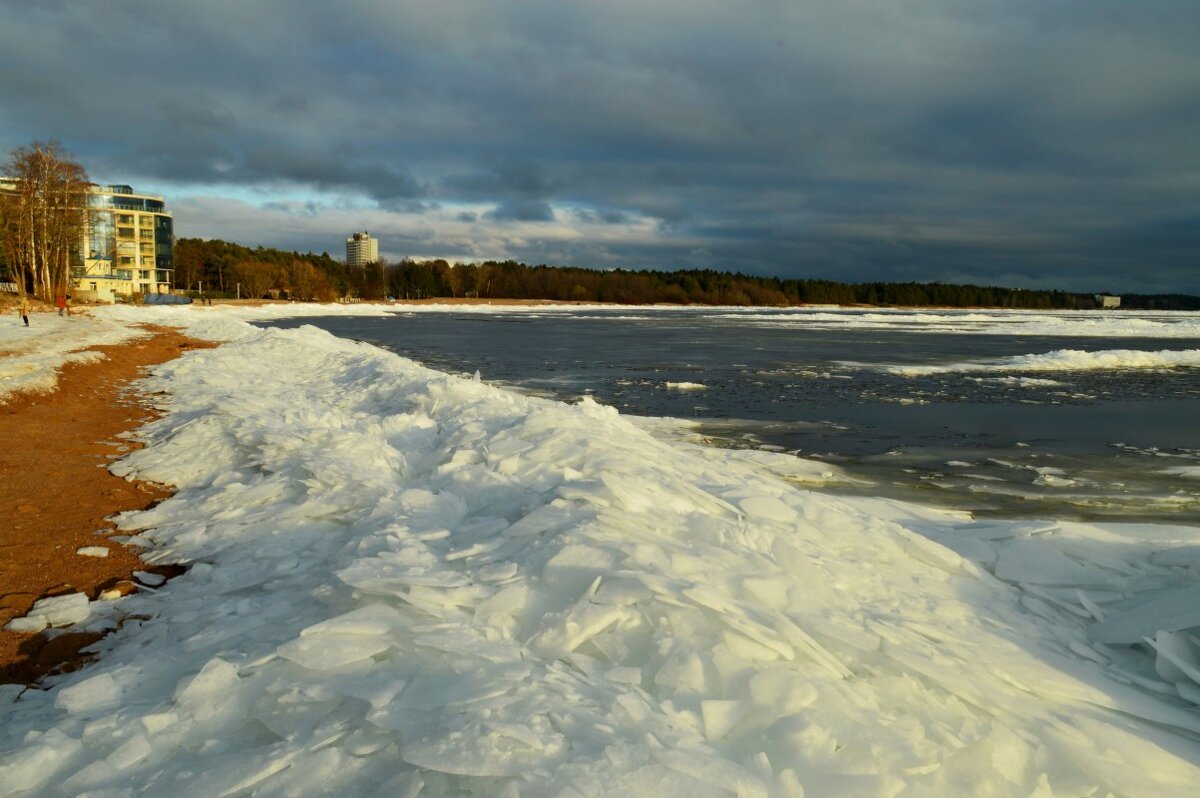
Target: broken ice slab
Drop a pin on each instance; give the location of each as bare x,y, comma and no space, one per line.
54,611
1169,610
1036,561
94,694
27,625
990,530
148,578
325,652
1178,656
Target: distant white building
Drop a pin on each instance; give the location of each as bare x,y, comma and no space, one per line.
1107,301
361,249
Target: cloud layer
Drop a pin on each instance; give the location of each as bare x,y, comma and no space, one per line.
1035,144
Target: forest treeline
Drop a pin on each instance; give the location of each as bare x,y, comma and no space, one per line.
231,269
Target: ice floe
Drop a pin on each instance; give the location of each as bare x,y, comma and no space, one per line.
1063,360
1069,324
1020,382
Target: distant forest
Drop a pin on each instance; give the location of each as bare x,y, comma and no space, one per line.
226,269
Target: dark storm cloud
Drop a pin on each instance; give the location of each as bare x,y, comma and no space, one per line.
326,170
523,211
519,178
1035,143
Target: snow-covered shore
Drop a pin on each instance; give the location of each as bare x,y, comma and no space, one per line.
404,582
31,357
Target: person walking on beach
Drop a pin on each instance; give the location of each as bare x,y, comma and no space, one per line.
23,309
62,304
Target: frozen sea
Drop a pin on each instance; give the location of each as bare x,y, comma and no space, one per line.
934,407
492,579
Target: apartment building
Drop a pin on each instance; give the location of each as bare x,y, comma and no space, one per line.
129,245
361,249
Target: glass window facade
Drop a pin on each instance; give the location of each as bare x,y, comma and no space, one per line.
101,237
164,243
138,204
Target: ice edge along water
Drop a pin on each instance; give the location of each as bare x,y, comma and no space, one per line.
406,582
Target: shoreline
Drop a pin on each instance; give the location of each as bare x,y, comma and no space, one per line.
507,302
60,495
406,572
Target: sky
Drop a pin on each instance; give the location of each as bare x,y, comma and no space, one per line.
1025,143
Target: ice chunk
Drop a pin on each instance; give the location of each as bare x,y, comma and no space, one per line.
30,624
972,548
721,716
371,619
716,771
84,782
656,779
214,680
41,759
767,508
148,578
130,752
1178,657
583,622
323,652
473,747
575,567
61,610
92,695
781,691
157,722
771,591
1169,610
92,551
1039,562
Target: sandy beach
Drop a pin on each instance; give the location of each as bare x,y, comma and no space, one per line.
58,494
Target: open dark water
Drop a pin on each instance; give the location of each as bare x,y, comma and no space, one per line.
1115,444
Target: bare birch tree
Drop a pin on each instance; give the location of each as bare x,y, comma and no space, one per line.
43,217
